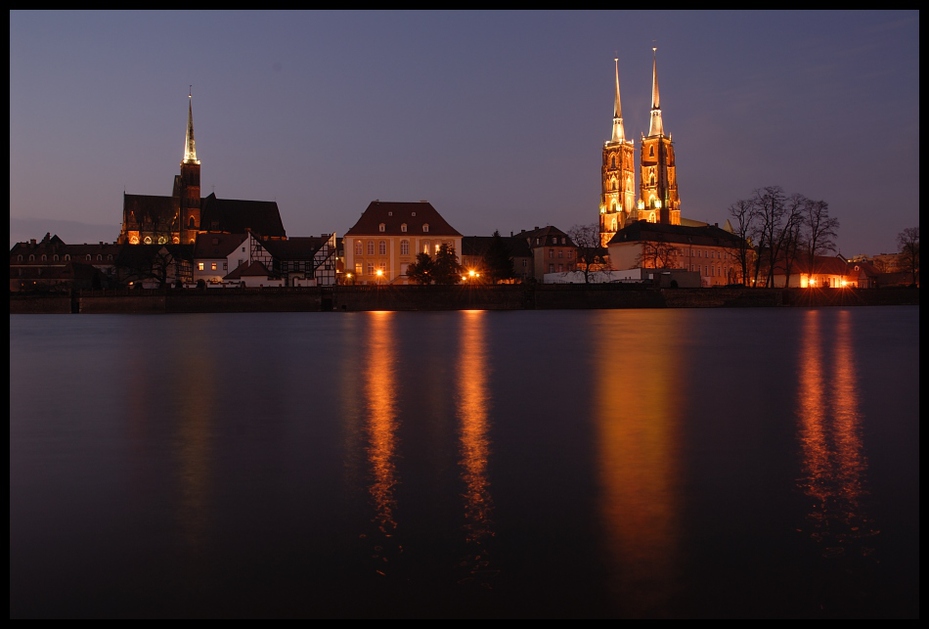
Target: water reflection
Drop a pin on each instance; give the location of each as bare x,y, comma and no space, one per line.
380,383
834,466
473,403
638,417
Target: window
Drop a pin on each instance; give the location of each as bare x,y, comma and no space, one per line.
426,228
551,268
551,253
358,269
370,247
199,266
55,257
381,227
525,263
99,257
358,248
613,164
561,253
370,268
570,254
404,247
45,258
225,264
87,257
212,266
403,228
68,256
426,244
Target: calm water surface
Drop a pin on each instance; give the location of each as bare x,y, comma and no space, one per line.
612,463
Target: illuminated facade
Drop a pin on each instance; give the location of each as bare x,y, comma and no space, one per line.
658,198
179,218
387,238
617,175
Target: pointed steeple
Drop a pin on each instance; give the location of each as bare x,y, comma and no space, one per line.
655,127
190,147
619,135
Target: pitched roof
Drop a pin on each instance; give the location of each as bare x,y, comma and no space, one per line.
217,245
544,236
393,215
297,248
707,235
237,216
249,269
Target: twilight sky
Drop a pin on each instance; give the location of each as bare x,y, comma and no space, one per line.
497,118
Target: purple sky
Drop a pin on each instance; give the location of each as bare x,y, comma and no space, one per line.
496,118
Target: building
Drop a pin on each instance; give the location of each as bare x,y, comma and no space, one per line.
552,251
51,265
708,250
658,199
181,217
617,175
475,248
388,236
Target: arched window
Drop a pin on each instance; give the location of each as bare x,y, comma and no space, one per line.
31,257
55,257
382,247
426,228
403,228
404,247
44,258
613,162
68,256
614,186
87,257
370,247
651,151
381,227
19,258
613,225
359,249
426,245
147,240
191,224
99,257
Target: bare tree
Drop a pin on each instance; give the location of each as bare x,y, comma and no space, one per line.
908,241
821,230
591,256
658,254
745,217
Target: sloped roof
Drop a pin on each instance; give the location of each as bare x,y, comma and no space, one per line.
298,248
393,215
544,236
478,245
249,269
217,245
708,235
237,216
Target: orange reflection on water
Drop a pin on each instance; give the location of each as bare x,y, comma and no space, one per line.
380,382
833,463
473,402
637,417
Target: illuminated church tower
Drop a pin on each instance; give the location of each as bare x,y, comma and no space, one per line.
658,199
617,175
187,185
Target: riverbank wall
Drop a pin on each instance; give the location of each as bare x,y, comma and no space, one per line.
412,298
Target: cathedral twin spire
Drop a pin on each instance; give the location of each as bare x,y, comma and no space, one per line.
619,134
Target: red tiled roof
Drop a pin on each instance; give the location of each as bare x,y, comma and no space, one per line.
393,215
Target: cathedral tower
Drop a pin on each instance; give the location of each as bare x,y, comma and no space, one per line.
658,198
187,185
617,175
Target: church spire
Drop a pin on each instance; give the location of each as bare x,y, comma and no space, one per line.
655,127
619,135
190,147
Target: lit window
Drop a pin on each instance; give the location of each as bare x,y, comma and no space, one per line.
370,268
199,266
358,248
370,247
425,227
404,247
381,227
212,266
382,247
403,228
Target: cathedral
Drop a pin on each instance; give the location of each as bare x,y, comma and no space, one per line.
657,200
179,218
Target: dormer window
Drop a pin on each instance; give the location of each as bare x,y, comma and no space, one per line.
403,227
381,227
412,213
425,227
